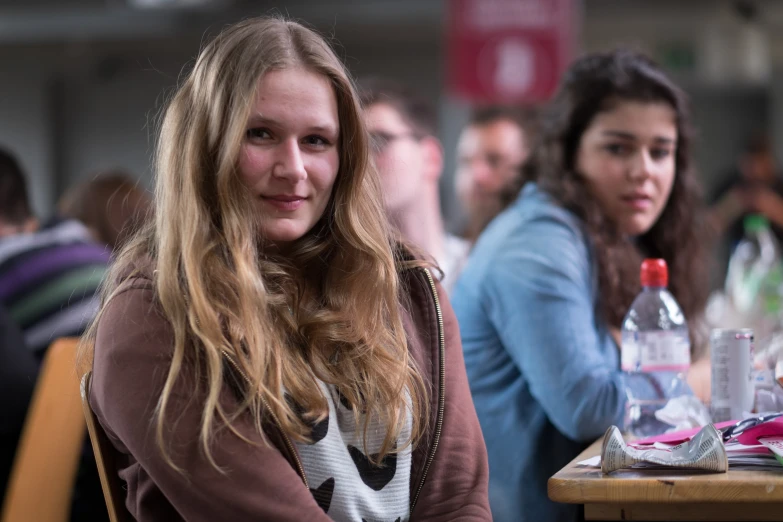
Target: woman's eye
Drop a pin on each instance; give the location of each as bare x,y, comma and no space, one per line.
316,140
258,133
659,154
618,149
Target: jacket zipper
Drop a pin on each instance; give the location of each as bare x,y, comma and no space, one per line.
288,443
441,388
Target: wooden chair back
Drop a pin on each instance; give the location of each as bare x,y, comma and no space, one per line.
105,458
41,483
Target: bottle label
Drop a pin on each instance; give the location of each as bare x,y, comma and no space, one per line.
656,351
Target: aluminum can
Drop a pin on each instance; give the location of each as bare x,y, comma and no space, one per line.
731,361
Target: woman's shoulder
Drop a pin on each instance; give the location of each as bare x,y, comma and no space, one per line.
136,273
534,225
535,207
131,302
132,335
534,241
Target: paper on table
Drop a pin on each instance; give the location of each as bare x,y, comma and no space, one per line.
737,449
775,444
592,462
704,451
772,465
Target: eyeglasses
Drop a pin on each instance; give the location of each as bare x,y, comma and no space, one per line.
735,430
381,140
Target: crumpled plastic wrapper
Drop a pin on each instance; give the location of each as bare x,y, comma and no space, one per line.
683,413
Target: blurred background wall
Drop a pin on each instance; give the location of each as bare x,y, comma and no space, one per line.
82,81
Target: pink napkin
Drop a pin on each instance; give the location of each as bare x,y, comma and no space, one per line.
679,437
772,428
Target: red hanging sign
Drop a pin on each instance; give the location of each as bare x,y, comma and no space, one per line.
508,51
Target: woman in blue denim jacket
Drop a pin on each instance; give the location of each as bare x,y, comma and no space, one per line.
542,297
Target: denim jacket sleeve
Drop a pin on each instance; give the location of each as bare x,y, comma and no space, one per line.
539,297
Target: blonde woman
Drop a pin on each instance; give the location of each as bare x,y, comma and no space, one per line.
265,350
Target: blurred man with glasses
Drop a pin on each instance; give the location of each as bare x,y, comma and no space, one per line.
409,159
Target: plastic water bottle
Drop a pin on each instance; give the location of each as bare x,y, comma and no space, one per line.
656,351
754,268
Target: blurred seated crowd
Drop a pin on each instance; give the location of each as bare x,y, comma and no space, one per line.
263,231
50,275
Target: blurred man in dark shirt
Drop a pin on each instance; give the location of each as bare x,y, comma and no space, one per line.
18,370
755,187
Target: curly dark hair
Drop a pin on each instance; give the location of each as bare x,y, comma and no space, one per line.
593,84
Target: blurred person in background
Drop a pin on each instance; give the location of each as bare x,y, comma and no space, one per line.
753,187
111,205
491,149
409,159
48,276
543,295
49,279
266,349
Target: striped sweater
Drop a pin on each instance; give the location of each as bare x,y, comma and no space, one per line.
49,281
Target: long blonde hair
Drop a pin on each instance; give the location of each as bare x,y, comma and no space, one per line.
329,310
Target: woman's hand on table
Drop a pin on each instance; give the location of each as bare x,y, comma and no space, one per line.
618,337
699,377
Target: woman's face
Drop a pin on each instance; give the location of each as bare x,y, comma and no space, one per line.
290,157
627,156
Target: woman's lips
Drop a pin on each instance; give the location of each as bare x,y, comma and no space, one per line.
284,203
638,202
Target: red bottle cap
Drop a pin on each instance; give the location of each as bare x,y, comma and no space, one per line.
654,273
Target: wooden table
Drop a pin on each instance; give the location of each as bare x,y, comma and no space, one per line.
668,495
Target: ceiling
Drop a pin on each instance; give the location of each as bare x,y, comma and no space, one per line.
49,21
57,21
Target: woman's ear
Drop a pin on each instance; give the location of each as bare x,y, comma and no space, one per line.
432,156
